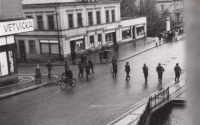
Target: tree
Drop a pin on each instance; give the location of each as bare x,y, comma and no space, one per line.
129,9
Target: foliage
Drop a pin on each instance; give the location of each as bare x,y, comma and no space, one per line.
129,9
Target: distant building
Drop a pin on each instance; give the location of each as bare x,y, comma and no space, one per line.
11,23
74,26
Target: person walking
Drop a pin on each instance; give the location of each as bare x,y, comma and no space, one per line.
100,56
114,60
73,55
145,71
90,63
37,74
177,71
116,47
160,71
115,70
49,67
80,66
84,58
127,70
66,64
87,70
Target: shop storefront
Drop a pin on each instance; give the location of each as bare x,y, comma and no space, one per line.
126,33
110,37
77,44
140,30
8,51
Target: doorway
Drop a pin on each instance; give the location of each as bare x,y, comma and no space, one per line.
22,51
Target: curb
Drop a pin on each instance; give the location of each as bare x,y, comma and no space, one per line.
25,89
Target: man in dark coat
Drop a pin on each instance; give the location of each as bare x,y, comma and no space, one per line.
90,63
177,71
73,55
65,65
116,47
87,70
127,70
145,71
114,60
160,71
100,56
80,66
49,67
115,70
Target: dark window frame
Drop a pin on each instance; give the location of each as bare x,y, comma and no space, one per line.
40,24
79,17
98,15
113,15
32,48
51,22
90,19
92,41
107,16
99,36
70,20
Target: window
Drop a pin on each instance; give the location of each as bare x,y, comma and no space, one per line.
140,30
99,40
91,41
113,15
90,21
3,64
40,22
126,34
49,47
32,47
107,16
79,20
109,37
70,19
51,22
98,17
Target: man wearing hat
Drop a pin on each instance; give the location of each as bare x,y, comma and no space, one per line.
177,71
160,71
145,71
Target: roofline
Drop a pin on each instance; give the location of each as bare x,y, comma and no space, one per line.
67,4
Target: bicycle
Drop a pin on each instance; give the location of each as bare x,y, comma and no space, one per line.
65,82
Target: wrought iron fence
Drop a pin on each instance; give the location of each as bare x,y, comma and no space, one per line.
152,103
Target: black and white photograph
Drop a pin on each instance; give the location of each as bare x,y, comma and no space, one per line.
99,62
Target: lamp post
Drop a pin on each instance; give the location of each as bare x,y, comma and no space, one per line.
57,32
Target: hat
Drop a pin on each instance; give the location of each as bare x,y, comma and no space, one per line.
158,63
176,63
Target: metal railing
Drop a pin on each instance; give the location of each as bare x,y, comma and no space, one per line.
153,102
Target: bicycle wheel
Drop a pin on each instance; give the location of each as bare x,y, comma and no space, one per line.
73,83
63,85
111,69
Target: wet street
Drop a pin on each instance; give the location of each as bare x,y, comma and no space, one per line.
96,101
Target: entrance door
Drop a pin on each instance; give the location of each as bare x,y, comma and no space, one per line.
72,45
22,51
133,31
114,37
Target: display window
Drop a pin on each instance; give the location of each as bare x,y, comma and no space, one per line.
140,30
109,37
3,64
79,45
126,34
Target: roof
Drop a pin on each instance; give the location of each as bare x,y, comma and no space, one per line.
29,2
47,1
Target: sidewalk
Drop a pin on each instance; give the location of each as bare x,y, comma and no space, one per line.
25,83
176,91
126,50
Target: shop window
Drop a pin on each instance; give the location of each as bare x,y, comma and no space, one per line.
126,34
40,22
3,64
90,19
99,40
70,19
140,31
32,47
107,16
98,17
109,37
11,62
79,45
49,47
51,22
80,20
113,15
91,41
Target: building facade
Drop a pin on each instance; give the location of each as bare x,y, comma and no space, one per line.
11,23
76,26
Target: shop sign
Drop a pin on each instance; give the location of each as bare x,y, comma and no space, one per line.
14,27
75,38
